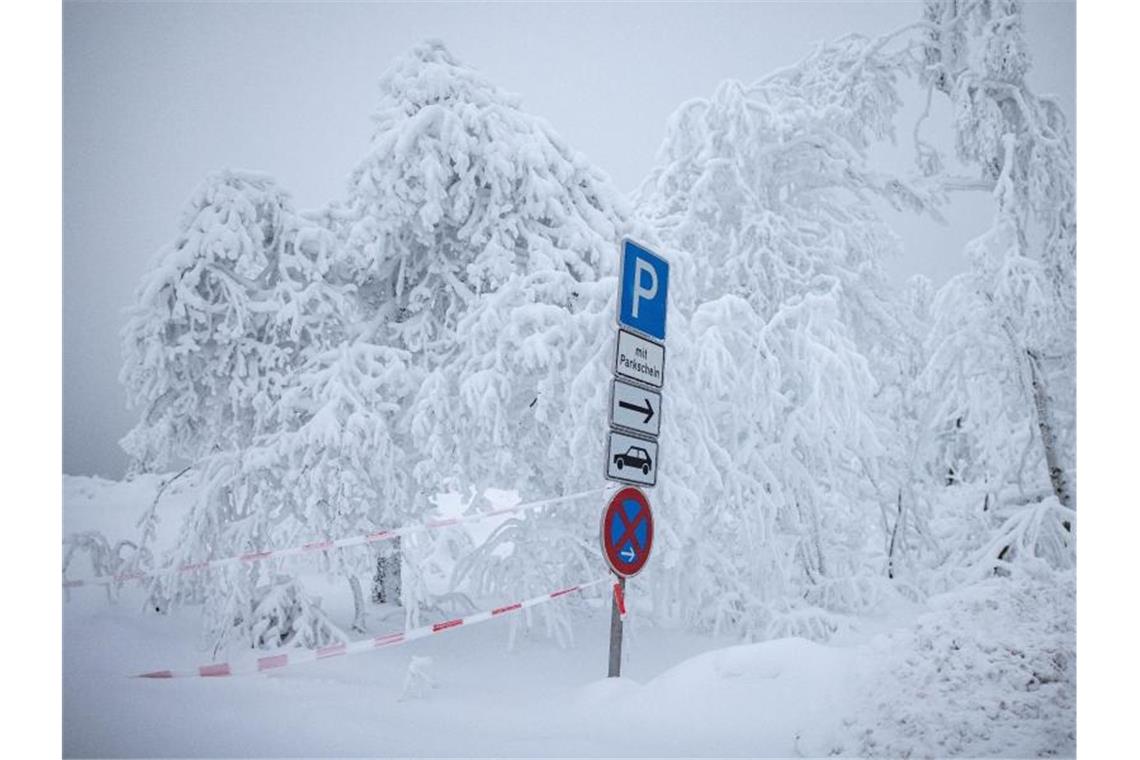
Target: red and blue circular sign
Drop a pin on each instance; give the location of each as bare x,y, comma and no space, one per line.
627,532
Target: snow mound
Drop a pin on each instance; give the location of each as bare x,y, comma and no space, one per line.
989,672
783,697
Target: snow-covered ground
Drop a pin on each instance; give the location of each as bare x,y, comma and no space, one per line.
988,670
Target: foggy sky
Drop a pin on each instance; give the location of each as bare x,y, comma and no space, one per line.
156,96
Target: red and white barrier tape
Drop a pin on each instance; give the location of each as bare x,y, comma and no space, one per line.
619,599
298,656
320,546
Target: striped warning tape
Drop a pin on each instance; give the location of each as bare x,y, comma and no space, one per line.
296,657
320,546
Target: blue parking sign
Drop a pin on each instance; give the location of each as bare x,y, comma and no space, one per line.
644,290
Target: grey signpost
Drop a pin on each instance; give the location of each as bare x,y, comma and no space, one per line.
636,403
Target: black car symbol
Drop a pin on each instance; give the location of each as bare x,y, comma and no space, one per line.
634,457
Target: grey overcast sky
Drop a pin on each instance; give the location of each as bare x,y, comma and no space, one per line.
157,95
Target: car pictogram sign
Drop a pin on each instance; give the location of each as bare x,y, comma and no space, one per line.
627,532
631,459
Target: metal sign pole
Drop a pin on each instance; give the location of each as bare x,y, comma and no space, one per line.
615,632
632,451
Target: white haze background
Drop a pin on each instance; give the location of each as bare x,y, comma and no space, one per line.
158,95
1101,464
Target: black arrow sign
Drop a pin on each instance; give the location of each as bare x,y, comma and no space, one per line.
647,410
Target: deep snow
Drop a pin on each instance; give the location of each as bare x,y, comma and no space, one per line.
987,670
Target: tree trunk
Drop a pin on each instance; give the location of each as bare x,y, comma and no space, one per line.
386,582
357,604
1042,404
894,537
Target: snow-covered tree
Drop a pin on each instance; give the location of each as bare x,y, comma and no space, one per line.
240,353
763,193
902,404
1023,270
334,469
1003,349
448,324
227,314
481,238
460,191
308,417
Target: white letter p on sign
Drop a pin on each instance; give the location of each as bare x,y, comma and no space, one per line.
639,292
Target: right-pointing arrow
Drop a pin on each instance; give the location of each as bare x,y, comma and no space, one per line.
647,410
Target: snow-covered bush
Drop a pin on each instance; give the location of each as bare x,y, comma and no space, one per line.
989,670
276,613
104,559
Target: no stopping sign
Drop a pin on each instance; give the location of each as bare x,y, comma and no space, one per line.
627,532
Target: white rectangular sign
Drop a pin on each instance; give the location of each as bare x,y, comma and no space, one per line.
640,359
631,459
635,408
